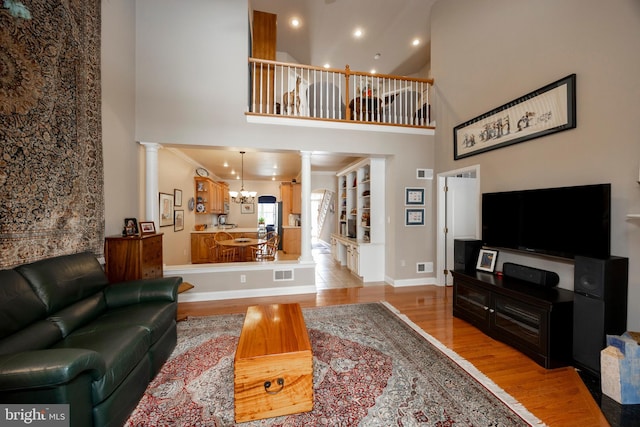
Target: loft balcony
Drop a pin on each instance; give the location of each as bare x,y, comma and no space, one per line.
302,95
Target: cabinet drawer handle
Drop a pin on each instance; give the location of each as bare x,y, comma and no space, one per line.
267,385
485,307
491,310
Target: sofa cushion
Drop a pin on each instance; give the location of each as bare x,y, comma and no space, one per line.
122,349
155,317
37,336
79,313
19,305
63,280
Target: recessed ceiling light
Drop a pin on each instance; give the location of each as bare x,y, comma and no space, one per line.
226,165
357,33
295,22
415,42
327,65
377,56
373,71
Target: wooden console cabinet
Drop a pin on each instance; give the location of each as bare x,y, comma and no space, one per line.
133,257
537,321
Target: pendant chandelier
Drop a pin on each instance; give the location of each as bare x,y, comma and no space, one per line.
244,196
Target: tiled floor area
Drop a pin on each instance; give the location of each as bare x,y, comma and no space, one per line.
330,274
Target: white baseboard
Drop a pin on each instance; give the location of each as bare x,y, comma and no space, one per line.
192,296
410,282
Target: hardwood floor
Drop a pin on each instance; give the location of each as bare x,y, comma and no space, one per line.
558,397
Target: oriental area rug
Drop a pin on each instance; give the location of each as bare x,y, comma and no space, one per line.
51,164
372,367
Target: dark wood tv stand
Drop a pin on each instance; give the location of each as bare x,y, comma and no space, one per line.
537,321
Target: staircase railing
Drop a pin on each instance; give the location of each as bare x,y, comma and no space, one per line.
307,92
325,205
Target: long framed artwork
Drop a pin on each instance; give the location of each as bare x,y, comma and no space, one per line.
542,112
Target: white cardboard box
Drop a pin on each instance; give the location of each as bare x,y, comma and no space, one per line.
620,368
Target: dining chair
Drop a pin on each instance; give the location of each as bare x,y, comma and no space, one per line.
222,235
228,254
266,251
212,248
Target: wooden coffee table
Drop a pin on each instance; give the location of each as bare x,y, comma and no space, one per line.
273,365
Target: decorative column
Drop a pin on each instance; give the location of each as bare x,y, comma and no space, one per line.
305,250
152,209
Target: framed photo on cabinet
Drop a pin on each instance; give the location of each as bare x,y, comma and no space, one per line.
487,260
147,227
131,227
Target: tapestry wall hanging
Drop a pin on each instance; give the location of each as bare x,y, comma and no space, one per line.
544,111
51,167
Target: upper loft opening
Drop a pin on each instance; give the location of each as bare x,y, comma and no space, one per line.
303,95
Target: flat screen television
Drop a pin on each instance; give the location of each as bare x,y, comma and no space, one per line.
351,228
561,222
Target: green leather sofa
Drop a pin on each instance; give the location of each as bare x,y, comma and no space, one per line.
68,336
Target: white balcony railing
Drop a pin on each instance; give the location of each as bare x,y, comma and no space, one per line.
306,92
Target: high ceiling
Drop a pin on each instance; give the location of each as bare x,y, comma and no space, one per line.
326,36
326,33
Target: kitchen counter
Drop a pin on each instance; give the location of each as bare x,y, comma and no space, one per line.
228,230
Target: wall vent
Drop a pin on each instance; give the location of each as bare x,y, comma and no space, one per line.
424,267
282,275
424,173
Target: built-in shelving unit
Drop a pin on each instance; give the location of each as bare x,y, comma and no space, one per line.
360,229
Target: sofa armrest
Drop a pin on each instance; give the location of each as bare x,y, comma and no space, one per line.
48,368
145,290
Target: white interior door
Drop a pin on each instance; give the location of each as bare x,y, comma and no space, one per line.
458,215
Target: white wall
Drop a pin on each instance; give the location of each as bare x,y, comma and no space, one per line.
488,52
120,150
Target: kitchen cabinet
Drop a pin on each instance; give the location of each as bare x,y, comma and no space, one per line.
211,196
536,320
291,197
133,257
291,243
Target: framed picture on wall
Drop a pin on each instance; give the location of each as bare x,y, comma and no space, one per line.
414,196
166,209
413,216
542,112
178,222
247,208
177,197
